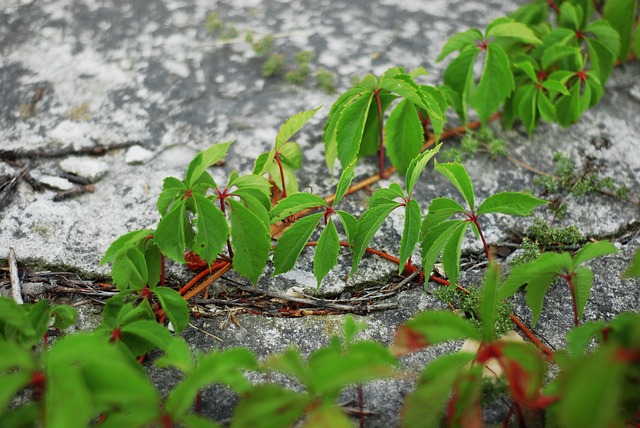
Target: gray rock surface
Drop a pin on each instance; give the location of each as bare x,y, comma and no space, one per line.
147,74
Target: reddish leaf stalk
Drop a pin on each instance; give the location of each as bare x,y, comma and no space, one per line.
360,406
474,219
381,171
279,162
199,403
569,278
162,271
222,208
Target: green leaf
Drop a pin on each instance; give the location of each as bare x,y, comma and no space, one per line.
349,223
250,240
251,181
12,382
293,125
582,281
548,263
129,270
527,102
593,250
290,362
404,135
452,250
171,234
511,203
326,255
438,102
39,318
579,338
555,86
434,238
84,370
459,42
350,127
291,155
224,367
332,370
591,391
554,53
425,404
459,77
458,176
295,203
527,68
350,328
292,242
328,416
263,162
370,143
514,30
633,270
212,226
496,83
172,188
63,316
178,355
441,209
204,160
430,328
154,260
329,138
368,225
387,195
410,231
536,289
545,108
346,178
488,311
174,306
145,335
636,44
125,243
290,179
269,406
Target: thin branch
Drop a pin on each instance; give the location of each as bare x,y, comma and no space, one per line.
16,286
97,150
321,303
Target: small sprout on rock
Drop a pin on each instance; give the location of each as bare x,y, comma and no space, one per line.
274,65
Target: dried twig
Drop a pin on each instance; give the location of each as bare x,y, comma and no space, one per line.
97,150
16,288
321,303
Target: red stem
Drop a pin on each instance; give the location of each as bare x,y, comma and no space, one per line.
569,277
382,172
360,406
225,214
162,271
484,242
284,188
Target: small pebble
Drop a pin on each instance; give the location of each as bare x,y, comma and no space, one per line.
93,169
137,155
56,183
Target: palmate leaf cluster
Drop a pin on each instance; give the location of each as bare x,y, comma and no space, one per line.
354,126
537,69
